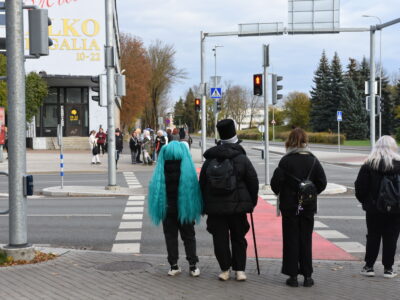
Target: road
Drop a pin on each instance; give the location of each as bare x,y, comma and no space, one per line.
93,222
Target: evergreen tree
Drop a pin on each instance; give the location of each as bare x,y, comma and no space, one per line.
321,96
354,123
190,116
337,92
179,111
388,108
363,75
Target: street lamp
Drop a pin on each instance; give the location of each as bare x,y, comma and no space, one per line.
215,86
380,70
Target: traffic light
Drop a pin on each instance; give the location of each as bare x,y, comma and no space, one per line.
257,84
276,88
219,105
39,41
100,88
197,104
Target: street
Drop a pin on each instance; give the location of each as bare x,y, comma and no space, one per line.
93,222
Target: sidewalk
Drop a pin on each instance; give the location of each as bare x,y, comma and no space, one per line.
105,275
339,158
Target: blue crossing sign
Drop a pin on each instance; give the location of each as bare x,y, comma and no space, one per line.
339,116
216,93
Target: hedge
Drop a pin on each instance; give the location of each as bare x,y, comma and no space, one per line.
317,137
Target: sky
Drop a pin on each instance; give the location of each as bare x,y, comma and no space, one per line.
295,57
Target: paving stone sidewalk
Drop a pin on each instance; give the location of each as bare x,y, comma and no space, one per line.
104,275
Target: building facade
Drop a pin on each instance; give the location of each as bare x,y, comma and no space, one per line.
79,34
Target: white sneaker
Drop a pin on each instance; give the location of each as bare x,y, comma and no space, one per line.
195,272
241,276
389,273
175,270
224,276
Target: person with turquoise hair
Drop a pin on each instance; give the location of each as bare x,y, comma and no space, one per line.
175,200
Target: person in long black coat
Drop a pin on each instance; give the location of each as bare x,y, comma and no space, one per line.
227,220
297,222
384,160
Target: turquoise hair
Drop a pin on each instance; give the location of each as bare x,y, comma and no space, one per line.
190,203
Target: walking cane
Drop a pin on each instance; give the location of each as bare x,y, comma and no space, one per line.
255,244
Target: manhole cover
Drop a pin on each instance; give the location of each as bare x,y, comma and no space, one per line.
124,266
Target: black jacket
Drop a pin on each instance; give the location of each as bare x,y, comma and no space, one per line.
244,198
172,172
298,164
368,183
134,143
119,143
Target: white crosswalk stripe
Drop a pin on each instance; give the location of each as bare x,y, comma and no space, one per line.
129,233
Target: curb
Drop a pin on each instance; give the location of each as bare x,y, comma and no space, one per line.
79,191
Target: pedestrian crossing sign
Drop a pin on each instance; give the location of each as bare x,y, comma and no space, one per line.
216,93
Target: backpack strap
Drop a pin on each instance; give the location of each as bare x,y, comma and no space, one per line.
312,167
309,173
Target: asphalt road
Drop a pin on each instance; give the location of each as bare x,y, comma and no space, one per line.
92,222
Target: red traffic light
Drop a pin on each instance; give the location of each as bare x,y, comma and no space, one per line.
197,104
257,84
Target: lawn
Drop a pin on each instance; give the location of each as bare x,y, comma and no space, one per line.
357,143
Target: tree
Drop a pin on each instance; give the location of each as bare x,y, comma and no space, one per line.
3,85
355,117
163,74
236,102
278,115
388,107
138,72
35,91
190,116
253,105
336,89
321,95
297,109
179,112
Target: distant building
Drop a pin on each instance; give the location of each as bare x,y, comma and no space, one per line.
257,119
79,34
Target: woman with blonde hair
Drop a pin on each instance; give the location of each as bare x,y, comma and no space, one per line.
381,170
298,169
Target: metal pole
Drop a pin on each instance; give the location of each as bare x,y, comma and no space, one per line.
380,80
273,124
203,97
338,137
215,86
372,86
112,176
16,124
266,133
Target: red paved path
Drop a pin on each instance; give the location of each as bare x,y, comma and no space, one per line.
269,237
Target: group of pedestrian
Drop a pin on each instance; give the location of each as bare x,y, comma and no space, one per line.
227,190
98,144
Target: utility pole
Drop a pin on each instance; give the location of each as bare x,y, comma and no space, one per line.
266,127
18,241
215,86
372,86
109,63
203,98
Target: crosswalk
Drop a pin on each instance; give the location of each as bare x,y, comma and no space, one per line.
129,232
337,238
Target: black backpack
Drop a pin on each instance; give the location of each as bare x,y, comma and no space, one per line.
221,176
307,191
389,194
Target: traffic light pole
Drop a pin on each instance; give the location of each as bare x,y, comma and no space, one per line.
112,173
266,127
203,99
372,86
16,127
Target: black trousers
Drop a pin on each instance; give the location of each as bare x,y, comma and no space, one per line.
223,228
383,227
102,147
171,226
297,243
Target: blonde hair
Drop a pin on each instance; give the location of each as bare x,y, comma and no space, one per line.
384,152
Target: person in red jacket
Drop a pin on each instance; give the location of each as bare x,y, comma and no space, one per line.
101,137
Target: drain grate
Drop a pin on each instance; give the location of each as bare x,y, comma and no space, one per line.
119,266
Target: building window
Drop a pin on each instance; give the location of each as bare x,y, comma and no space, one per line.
74,95
52,96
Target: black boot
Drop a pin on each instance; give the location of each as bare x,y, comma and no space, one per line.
308,282
292,281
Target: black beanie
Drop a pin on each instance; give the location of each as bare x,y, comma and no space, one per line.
226,129
182,133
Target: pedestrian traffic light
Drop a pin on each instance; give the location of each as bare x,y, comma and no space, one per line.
39,41
100,88
276,88
197,104
218,105
257,84
380,104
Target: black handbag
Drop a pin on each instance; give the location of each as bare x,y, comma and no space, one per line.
95,150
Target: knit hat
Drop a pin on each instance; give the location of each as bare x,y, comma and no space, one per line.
227,131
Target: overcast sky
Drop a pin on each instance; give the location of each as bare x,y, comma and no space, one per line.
179,22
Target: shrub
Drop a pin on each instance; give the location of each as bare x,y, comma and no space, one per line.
250,134
317,137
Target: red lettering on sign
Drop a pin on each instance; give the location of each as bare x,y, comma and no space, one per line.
48,3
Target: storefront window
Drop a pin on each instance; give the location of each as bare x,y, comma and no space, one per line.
85,95
74,95
52,96
50,116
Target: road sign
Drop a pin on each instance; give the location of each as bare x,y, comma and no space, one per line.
273,122
167,121
216,93
339,116
261,128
